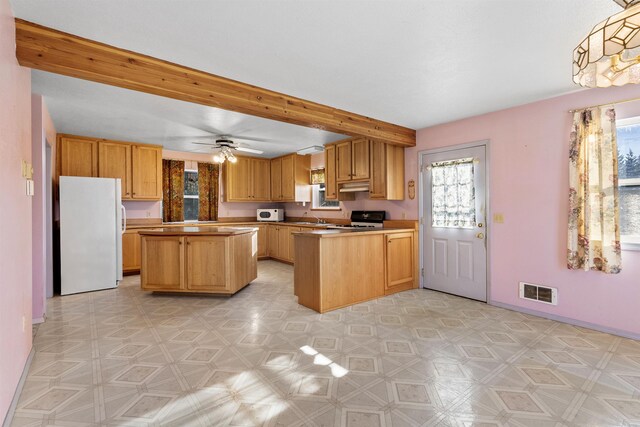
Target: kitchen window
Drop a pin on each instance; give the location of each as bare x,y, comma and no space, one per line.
191,195
318,190
628,133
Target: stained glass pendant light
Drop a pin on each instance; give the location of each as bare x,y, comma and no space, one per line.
610,54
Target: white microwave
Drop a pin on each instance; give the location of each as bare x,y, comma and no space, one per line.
270,215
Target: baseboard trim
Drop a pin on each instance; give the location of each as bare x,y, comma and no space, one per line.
16,396
580,323
37,320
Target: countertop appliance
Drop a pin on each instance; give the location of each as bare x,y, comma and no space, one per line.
363,220
270,215
92,221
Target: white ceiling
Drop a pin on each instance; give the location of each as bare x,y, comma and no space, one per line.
86,108
411,62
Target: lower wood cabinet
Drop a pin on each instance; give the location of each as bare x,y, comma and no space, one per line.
263,241
400,262
131,252
162,265
206,269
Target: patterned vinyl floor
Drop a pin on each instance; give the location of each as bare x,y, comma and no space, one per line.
419,358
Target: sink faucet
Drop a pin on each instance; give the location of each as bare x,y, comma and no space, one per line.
319,221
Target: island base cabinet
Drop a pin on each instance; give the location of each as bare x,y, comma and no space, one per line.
162,263
206,270
199,264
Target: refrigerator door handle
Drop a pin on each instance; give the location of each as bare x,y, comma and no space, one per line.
124,218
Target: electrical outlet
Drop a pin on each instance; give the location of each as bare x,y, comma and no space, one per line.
148,214
404,215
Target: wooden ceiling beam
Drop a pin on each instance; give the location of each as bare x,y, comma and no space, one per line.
47,49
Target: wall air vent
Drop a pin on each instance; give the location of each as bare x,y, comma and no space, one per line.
539,293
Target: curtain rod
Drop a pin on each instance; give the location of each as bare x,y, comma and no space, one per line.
624,101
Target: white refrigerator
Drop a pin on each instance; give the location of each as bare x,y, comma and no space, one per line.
92,221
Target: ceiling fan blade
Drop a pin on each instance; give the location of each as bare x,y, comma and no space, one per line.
210,144
248,150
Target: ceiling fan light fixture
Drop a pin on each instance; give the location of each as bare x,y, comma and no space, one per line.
610,54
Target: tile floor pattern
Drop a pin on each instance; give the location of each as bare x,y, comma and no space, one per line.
130,358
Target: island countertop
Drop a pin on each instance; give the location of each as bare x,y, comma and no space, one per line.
197,231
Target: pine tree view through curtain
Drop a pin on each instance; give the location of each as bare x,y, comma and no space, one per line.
629,179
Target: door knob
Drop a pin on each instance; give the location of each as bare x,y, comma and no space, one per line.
480,235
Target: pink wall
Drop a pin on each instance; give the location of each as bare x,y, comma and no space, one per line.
43,133
529,185
15,213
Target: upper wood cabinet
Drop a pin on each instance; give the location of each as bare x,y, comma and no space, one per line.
114,161
78,156
352,160
330,176
290,178
261,182
362,160
139,166
147,172
387,171
247,180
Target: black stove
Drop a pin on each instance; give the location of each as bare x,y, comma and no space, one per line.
364,220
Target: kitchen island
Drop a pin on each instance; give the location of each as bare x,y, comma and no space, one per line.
338,268
202,259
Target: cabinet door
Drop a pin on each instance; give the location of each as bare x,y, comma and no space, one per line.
206,263
360,159
276,179
288,178
261,179
263,241
238,180
400,262
162,263
78,157
147,172
292,251
284,234
343,161
331,186
114,161
131,251
272,247
378,184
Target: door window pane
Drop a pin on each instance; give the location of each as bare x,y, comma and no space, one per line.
452,194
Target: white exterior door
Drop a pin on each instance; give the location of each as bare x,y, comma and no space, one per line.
454,224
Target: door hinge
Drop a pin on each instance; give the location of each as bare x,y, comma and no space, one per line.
422,272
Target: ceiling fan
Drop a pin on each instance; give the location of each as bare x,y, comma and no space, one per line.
226,147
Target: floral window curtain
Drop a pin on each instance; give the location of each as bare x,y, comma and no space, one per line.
317,176
208,187
594,218
172,190
453,194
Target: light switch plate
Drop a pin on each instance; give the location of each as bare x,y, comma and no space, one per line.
30,187
498,218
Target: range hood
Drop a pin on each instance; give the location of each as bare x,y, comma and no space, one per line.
354,187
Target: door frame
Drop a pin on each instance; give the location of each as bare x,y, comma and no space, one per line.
486,143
